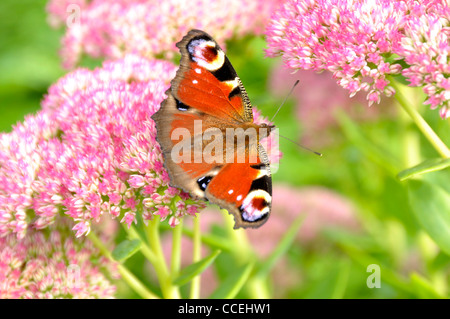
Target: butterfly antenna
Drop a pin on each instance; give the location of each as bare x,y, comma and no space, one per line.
290,92
300,145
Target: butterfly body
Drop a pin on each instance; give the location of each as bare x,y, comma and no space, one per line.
203,127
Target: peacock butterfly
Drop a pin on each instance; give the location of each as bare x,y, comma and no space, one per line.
207,99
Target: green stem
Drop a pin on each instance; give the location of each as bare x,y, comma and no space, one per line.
135,283
196,256
242,248
164,277
175,261
145,249
256,286
127,275
423,126
411,142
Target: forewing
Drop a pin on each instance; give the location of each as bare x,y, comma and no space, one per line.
207,81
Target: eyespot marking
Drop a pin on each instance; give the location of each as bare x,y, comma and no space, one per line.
206,53
256,206
203,182
234,92
181,106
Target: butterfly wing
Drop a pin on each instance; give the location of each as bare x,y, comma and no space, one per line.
180,134
207,80
245,190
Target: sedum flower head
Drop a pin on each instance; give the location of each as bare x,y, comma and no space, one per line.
91,151
148,27
54,266
362,42
426,50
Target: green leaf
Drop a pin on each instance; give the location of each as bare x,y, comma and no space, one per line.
423,287
188,273
400,78
440,262
342,279
431,205
284,244
427,166
126,249
233,283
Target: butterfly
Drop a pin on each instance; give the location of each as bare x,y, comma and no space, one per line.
207,99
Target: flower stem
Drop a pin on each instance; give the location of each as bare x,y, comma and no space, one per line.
196,256
256,287
164,276
175,261
127,275
423,126
242,249
411,146
145,249
135,283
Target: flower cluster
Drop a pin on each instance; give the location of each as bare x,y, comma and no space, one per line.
362,42
426,50
111,29
54,266
91,151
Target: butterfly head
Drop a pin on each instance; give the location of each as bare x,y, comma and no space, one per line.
265,130
270,127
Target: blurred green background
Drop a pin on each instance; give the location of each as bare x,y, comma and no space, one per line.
29,61
360,164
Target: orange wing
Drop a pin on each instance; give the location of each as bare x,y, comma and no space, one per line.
207,81
245,190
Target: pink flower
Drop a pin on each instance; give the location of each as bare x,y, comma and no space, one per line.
173,221
151,28
61,10
136,181
91,150
192,210
162,211
54,266
338,36
426,49
129,218
362,42
81,228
